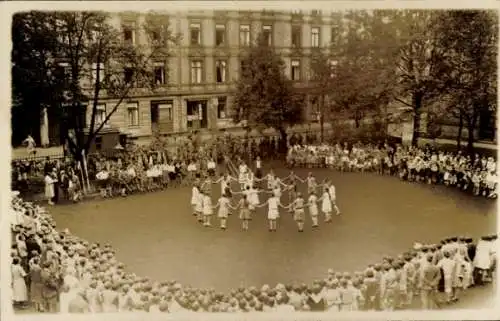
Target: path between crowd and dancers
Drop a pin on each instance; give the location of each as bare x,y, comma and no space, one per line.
157,236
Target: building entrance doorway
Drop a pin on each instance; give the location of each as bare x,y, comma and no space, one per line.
196,114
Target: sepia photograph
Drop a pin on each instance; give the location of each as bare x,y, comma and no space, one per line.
233,160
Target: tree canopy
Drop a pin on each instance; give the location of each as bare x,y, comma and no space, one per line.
264,95
469,42
89,59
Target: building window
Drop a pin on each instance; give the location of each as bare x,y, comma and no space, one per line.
295,72
315,37
296,31
166,111
195,32
128,74
245,35
98,143
196,72
243,66
133,114
194,113
156,35
222,108
220,34
267,33
220,71
100,114
129,34
159,73
333,34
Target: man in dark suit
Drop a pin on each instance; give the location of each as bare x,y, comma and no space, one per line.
32,247
47,168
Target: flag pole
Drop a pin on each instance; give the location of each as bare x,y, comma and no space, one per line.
84,157
83,178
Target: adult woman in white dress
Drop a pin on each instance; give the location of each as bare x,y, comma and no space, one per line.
49,188
19,289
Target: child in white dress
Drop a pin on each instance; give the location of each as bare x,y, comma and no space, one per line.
195,191
326,205
312,203
223,203
207,210
199,206
273,211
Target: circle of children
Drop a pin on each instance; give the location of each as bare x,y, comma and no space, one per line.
55,271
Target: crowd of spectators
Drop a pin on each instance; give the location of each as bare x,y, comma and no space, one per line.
55,271
474,174
135,169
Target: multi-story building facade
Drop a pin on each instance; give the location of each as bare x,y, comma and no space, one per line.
204,66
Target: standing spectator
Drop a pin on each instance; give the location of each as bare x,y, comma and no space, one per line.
50,288
49,188
482,260
48,166
30,145
57,183
32,246
448,266
19,289
36,284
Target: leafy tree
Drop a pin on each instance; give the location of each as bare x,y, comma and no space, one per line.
357,77
420,64
469,41
264,96
92,60
33,86
103,63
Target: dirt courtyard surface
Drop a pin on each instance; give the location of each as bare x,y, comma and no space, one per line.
156,236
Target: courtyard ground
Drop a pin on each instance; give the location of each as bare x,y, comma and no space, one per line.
156,236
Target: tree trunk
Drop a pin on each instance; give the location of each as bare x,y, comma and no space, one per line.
284,138
460,128
322,118
471,124
417,106
470,139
